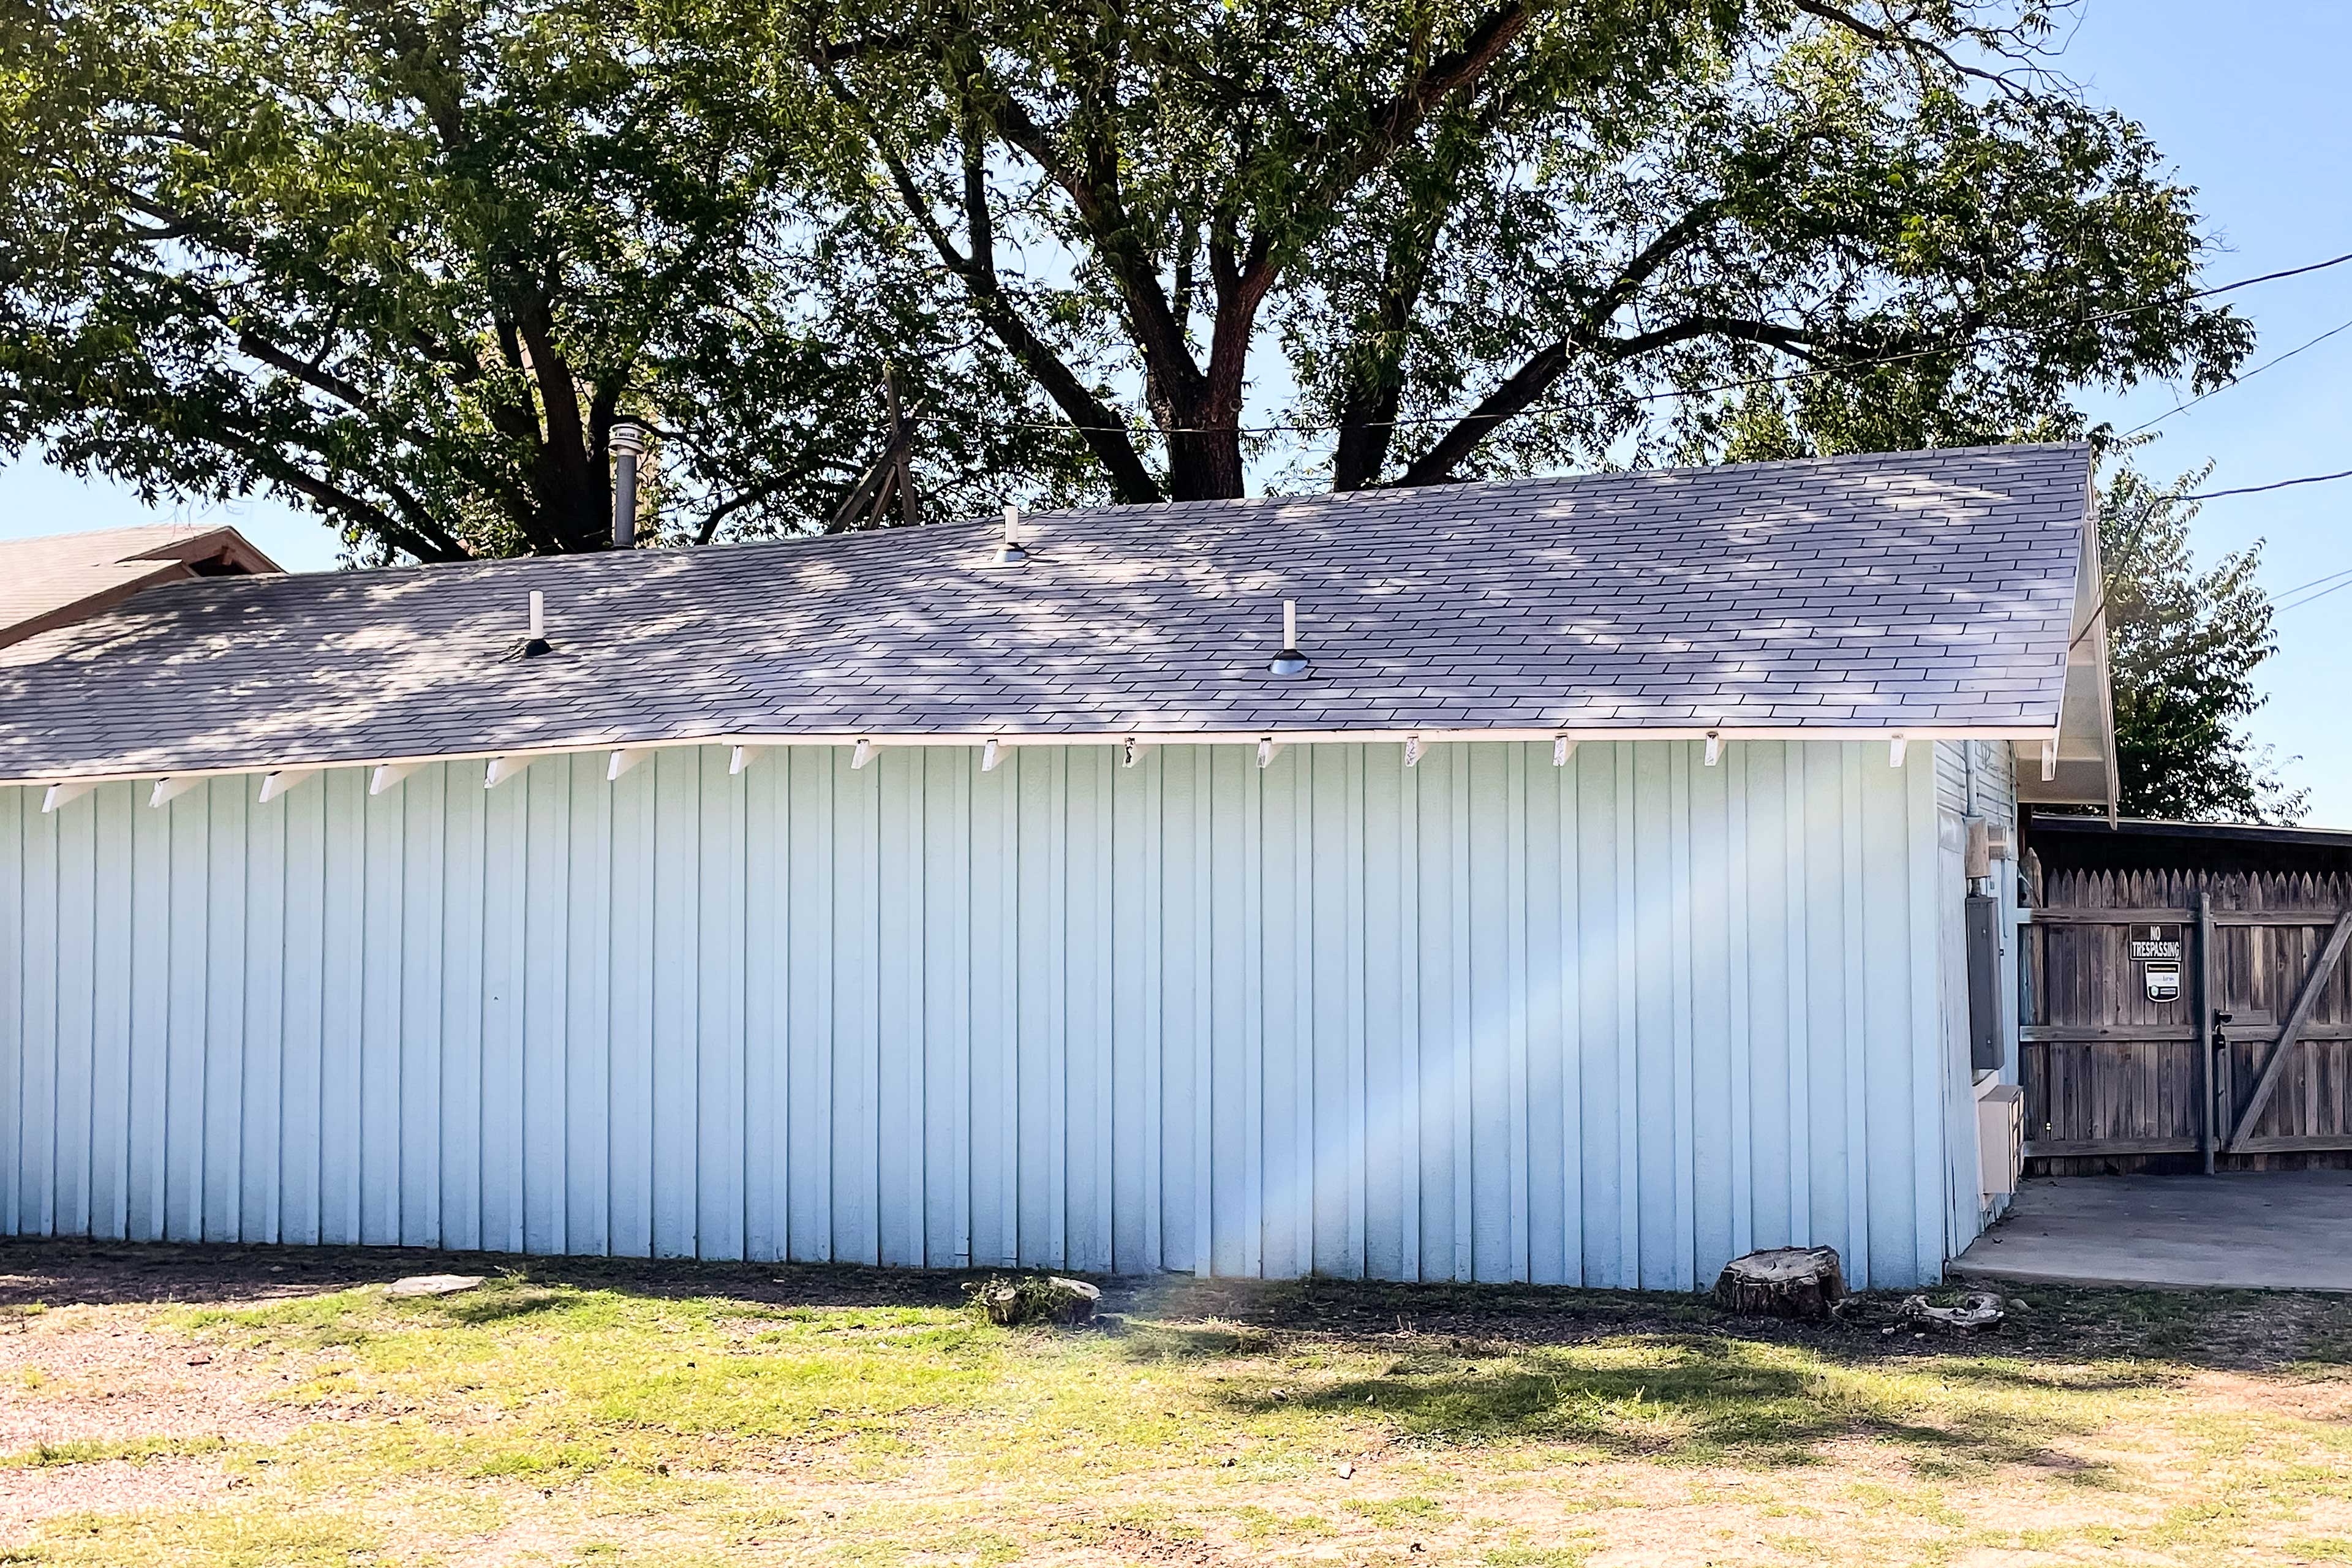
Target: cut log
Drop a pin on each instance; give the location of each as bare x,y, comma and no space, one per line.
1785,1282
1977,1309
434,1285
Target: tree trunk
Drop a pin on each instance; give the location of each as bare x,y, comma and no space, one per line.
1203,463
1785,1282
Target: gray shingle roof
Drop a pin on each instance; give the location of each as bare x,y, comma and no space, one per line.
1929,590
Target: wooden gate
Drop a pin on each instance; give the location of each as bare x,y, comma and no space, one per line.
2249,1061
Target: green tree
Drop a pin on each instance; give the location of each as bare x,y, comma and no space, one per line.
2183,648
408,262
1486,235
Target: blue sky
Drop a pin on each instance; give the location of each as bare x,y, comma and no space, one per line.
2251,114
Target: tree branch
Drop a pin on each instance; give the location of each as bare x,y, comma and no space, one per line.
1101,207
1532,379
1374,389
1392,125
427,543
1104,432
316,376
1912,46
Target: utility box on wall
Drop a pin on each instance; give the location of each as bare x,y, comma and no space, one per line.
1984,983
2000,1137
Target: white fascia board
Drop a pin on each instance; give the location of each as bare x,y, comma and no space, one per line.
400,767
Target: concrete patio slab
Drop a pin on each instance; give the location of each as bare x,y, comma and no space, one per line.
2285,1230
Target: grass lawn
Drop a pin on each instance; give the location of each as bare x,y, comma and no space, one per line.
278,1410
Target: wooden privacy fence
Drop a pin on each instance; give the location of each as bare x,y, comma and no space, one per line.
2250,1060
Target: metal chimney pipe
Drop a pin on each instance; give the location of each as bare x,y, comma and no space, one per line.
627,439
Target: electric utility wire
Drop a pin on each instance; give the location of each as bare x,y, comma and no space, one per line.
2277,603
2273,485
2281,609
2278,600
2333,582
2240,380
1311,428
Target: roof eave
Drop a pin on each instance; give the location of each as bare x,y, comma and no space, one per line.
2074,763
293,762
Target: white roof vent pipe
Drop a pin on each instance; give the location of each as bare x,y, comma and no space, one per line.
627,439
1289,661
1010,553
535,643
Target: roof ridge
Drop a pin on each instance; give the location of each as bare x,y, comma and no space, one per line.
1141,514
189,530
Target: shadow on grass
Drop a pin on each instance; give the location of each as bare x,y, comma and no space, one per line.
1674,1397
61,1273
476,1311
2062,1339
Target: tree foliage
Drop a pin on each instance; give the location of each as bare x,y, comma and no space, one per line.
1485,235
407,259
407,262
2183,646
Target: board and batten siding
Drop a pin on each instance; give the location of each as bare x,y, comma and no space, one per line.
1480,1018
1991,792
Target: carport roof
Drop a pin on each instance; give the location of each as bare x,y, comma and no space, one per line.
1933,592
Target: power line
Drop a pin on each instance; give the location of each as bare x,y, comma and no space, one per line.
2341,580
2279,609
2240,381
2315,582
2274,277
1310,428
2273,485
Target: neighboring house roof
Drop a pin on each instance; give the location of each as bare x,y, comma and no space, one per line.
48,582
1931,593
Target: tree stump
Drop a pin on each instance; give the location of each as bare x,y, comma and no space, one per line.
1785,1282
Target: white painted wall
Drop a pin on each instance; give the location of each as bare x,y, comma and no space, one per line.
1481,1018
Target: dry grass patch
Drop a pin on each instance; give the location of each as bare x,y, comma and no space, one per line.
202,1407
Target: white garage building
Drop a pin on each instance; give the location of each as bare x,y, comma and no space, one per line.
1589,910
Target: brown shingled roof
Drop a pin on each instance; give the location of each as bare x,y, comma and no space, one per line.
48,582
